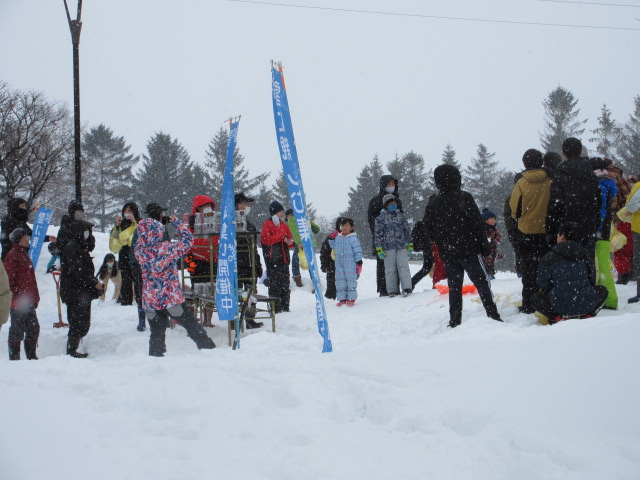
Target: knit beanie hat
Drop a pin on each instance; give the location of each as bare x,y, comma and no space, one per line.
387,199
275,207
288,212
487,214
17,235
74,206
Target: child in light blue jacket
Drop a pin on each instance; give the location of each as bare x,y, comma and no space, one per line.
348,253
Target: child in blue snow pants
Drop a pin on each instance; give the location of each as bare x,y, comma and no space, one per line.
348,261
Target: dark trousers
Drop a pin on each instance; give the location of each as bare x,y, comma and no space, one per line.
331,292
455,275
278,276
158,324
540,302
24,326
126,273
427,265
532,248
79,317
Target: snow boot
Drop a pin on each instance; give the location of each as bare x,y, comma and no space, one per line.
30,350
14,351
351,303
298,280
341,303
72,348
623,278
142,324
250,323
455,321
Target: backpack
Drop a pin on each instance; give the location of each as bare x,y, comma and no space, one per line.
419,237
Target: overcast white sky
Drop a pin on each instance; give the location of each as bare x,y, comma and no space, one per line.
358,83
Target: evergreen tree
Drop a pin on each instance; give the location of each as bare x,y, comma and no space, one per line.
165,176
561,120
413,185
108,180
607,134
260,206
367,186
449,157
481,178
215,159
629,144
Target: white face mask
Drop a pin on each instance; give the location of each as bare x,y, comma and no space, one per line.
247,210
276,219
390,189
86,235
207,210
128,216
110,265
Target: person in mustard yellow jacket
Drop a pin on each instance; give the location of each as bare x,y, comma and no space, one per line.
5,296
631,211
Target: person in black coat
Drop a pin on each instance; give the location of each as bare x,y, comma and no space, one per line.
17,215
388,184
453,221
246,249
567,279
575,197
78,283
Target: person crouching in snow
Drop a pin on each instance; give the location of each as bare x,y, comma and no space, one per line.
493,239
348,263
567,279
161,289
393,244
24,288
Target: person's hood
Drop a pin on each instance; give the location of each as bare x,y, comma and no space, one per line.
576,167
384,180
447,178
150,232
535,175
200,200
15,211
607,182
614,170
570,250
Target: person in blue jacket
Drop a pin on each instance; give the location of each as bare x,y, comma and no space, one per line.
567,279
348,263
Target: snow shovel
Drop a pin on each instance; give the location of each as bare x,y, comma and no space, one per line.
59,323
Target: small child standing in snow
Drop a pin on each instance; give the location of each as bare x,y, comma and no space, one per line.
493,237
348,263
393,244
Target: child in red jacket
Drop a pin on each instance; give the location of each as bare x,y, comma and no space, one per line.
22,280
276,241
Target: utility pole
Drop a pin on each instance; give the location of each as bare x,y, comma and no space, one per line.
75,26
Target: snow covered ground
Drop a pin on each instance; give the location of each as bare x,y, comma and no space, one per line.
401,396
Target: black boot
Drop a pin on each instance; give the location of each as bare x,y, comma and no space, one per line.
251,323
623,278
455,320
141,321
30,350
72,347
14,351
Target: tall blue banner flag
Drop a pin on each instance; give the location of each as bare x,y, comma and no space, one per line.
40,226
227,276
291,167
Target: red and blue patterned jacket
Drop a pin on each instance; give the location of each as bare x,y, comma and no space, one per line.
161,288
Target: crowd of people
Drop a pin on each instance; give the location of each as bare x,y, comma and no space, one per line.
565,217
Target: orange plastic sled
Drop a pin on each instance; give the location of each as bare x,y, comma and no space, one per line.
444,289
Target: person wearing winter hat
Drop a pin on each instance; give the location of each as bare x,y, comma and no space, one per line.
575,197
162,296
25,297
17,215
348,263
394,244
493,238
529,203
78,283
453,222
388,184
276,241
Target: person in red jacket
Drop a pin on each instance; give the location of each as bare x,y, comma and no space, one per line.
276,241
22,281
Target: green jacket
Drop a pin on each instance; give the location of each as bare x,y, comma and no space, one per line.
296,235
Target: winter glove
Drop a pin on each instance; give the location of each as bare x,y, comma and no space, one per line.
409,248
380,253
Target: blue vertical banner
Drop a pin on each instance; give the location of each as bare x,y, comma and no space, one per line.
291,167
40,226
227,275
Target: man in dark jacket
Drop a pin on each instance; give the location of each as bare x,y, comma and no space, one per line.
17,215
78,283
25,299
453,222
567,279
388,184
575,197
